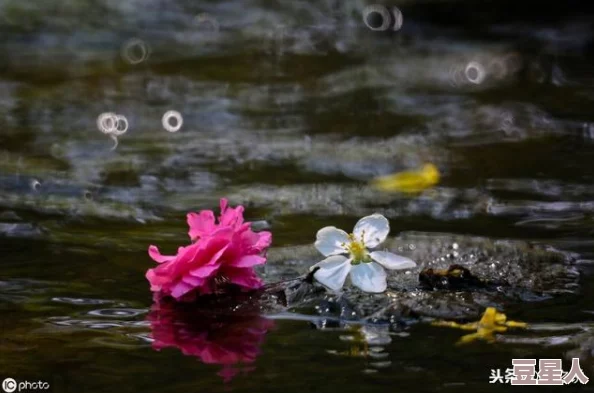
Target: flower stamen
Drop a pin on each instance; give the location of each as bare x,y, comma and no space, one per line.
357,250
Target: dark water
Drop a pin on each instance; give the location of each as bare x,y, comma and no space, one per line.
290,108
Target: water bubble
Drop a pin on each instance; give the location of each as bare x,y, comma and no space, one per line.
177,124
111,123
35,185
475,72
135,51
107,122
121,125
398,18
377,17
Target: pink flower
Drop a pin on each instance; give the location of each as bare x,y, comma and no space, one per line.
221,253
215,338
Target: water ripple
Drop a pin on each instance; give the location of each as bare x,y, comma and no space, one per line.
80,301
117,312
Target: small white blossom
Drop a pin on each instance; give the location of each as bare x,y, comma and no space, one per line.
366,268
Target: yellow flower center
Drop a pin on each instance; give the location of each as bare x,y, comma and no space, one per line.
357,249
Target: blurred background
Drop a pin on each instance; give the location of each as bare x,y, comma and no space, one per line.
290,108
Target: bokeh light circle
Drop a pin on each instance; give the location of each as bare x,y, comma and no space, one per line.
112,124
121,125
35,185
398,19
107,122
135,51
373,14
475,72
166,121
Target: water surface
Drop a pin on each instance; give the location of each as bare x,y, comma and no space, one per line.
290,108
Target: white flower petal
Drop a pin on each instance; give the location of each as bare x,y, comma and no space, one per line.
392,261
333,271
374,228
329,241
329,262
369,277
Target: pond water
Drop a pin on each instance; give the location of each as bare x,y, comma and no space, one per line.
290,108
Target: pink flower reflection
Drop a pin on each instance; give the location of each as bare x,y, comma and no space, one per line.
228,339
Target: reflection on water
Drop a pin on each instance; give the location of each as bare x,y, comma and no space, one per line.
230,340
367,342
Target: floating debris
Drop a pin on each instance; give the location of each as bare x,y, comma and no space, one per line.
492,322
455,277
409,182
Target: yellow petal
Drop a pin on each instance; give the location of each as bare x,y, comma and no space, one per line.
410,182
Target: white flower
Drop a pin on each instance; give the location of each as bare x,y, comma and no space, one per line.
366,268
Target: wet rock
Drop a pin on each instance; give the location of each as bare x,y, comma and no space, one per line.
487,273
455,277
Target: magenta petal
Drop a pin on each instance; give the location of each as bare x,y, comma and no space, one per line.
231,216
152,279
213,264
264,240
244,277
204,271
201,224
157,256
180,289
249,261
193,281
224,203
